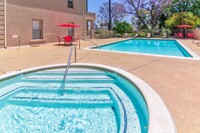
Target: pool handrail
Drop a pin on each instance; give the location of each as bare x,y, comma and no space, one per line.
68,62
93,43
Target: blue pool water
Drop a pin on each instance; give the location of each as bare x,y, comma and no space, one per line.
91,101
148,46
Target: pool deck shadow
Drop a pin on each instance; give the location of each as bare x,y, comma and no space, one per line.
177,81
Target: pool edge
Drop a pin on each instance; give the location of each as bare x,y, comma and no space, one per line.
159,116
192,53
156,118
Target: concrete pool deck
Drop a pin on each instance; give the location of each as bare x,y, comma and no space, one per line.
175,80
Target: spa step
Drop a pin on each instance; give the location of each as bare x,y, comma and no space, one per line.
76,73
77,81
66,103
66,90
70,77
55,86
76,99
73,69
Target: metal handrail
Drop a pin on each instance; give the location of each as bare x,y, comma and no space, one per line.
68,62
93,43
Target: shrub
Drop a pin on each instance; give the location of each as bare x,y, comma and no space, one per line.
103,34
182,18
123,27
143,34
118,35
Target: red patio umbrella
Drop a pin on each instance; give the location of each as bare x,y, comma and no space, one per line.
68,25
184,26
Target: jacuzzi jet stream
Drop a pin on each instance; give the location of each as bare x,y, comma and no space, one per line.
67,68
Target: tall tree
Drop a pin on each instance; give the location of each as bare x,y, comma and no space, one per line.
147,13
186,6
110,20
179,6
195,9
182,18
118,12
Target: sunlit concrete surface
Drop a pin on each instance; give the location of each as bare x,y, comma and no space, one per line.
177,81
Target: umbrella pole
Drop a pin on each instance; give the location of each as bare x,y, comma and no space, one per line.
19,42
184,34
75,54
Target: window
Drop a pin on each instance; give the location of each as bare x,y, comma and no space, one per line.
37,29
70,4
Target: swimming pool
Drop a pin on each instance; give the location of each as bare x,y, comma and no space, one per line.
93,99
148,46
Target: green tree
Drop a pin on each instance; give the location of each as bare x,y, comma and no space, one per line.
123,27
195,9
178,6
118,12
182,18
146,13
186,6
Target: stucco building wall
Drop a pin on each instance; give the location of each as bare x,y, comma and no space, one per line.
2,23
20,14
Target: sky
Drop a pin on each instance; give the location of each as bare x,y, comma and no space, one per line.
93,6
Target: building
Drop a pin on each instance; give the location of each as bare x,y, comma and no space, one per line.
35,21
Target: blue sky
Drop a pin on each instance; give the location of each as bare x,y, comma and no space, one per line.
93,5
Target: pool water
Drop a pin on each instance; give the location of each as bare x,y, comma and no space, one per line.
17,118
90,101
148,46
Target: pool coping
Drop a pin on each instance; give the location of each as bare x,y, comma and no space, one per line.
160,119
193,54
